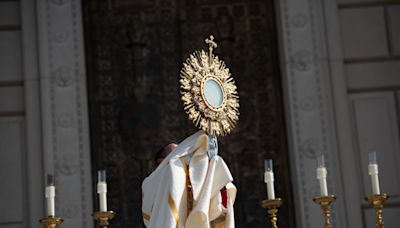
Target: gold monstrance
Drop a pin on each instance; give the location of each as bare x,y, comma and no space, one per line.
209,92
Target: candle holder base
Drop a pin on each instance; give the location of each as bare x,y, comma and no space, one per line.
103,217
325,203
377,202
51,221
272,206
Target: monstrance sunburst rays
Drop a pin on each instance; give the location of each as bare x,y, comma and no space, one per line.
199,68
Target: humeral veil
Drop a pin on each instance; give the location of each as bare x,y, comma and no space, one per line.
185,190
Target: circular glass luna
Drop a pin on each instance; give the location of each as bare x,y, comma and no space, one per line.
213,93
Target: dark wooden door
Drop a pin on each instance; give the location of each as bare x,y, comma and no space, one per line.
135,49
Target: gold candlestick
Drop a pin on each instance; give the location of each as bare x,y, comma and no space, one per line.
51,221
325,203
377,203
272,206
103,217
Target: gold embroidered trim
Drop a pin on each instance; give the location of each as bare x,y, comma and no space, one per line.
188,186
173,208
146,216
183,160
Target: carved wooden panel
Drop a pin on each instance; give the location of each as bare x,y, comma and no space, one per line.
135,50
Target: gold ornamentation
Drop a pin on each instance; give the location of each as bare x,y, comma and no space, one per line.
173,208
103,217
377,203
188,186
146,216
272,208
51,222
325,203
198,69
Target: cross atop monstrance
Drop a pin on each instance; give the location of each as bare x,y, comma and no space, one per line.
210,41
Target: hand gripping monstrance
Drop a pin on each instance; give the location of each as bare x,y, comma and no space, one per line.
209,94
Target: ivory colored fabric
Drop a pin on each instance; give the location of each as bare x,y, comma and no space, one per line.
164,203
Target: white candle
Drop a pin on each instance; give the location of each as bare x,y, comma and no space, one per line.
269,178
373,172
321,176
102,190
50,195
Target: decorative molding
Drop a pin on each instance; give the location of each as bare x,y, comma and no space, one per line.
308,104
63,76
34,149
64,111
61,36
66,120
299,21
70,211
313,191
59,2
306,83
68,164
303,60
311,148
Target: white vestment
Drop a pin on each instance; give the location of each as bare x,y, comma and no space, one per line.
164,203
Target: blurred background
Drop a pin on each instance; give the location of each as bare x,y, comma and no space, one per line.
94,84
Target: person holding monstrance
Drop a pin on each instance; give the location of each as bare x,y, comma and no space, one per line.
185,189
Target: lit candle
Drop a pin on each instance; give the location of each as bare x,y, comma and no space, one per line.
102,190
373,172
50,195
321,176
269,178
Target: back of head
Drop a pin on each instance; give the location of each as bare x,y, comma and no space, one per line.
164,152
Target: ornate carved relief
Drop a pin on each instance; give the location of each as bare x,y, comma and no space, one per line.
61,36
65,120
68,164
313,191
308,104
299,21
63,76
311,134
65,110
311,148
303,60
